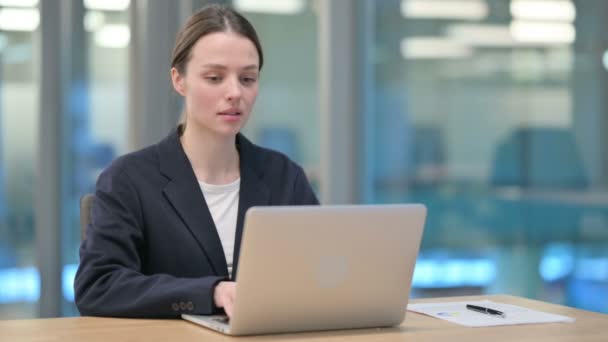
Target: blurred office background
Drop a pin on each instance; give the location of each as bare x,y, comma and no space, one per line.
494,113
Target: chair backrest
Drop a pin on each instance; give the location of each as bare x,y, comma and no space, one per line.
539,157
86,202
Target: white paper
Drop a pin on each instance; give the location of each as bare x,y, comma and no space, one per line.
456,312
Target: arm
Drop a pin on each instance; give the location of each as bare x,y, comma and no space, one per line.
110,280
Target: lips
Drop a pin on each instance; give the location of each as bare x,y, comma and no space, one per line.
230,112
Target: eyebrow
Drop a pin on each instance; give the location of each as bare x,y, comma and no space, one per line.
223,67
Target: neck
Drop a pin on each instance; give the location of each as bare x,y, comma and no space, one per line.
214,158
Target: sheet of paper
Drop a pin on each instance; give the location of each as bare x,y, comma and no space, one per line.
456,312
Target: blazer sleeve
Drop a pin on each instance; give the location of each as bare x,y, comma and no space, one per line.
110,281
302,191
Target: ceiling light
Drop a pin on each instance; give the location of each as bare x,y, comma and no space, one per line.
113,36
481,35
93,20
270,6
547,33
107,5
605,59
561,10
19,3
19,19
455,9
433,48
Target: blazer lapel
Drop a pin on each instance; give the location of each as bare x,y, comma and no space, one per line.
253,192
186,197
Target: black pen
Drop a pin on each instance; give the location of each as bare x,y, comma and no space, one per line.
487,311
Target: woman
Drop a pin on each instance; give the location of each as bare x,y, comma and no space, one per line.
167,220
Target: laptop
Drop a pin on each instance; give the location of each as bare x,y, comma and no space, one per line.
314,268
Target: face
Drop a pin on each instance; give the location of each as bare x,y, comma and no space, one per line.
220,83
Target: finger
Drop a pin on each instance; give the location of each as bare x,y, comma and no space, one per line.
228,307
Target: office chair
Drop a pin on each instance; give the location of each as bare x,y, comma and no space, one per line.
86,202
539,158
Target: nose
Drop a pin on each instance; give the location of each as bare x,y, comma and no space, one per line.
233,89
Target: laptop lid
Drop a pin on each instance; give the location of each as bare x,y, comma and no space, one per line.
305,268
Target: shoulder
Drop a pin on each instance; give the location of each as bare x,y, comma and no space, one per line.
165,157
142,168
284,178
135,162
264,160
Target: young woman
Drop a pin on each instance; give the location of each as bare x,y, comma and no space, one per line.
167,220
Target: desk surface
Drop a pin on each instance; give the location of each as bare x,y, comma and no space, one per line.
589,326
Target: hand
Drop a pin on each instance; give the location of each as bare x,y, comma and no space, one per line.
224,295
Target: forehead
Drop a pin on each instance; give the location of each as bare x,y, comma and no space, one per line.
224,48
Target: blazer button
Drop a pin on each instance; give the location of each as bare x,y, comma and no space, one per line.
175,307
182,306
190,306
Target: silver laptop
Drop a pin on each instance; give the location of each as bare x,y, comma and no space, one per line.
311,268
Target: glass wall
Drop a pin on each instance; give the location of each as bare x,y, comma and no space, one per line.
492,113
97,126
19,105
286,115
94,131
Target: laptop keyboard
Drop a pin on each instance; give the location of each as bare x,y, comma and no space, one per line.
223,320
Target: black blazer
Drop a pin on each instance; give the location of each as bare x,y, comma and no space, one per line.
152,249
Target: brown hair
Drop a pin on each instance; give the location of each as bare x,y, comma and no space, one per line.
210,19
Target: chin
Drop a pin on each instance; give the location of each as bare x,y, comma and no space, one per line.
229,132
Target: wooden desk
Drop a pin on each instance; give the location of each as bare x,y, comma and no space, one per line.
589,326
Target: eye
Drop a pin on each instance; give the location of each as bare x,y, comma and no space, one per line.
213,78
249,80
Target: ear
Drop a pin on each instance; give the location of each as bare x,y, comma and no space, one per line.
179,82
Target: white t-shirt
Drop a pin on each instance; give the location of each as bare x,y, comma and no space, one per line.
223,203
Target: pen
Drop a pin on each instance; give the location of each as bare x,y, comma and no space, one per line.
487,311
